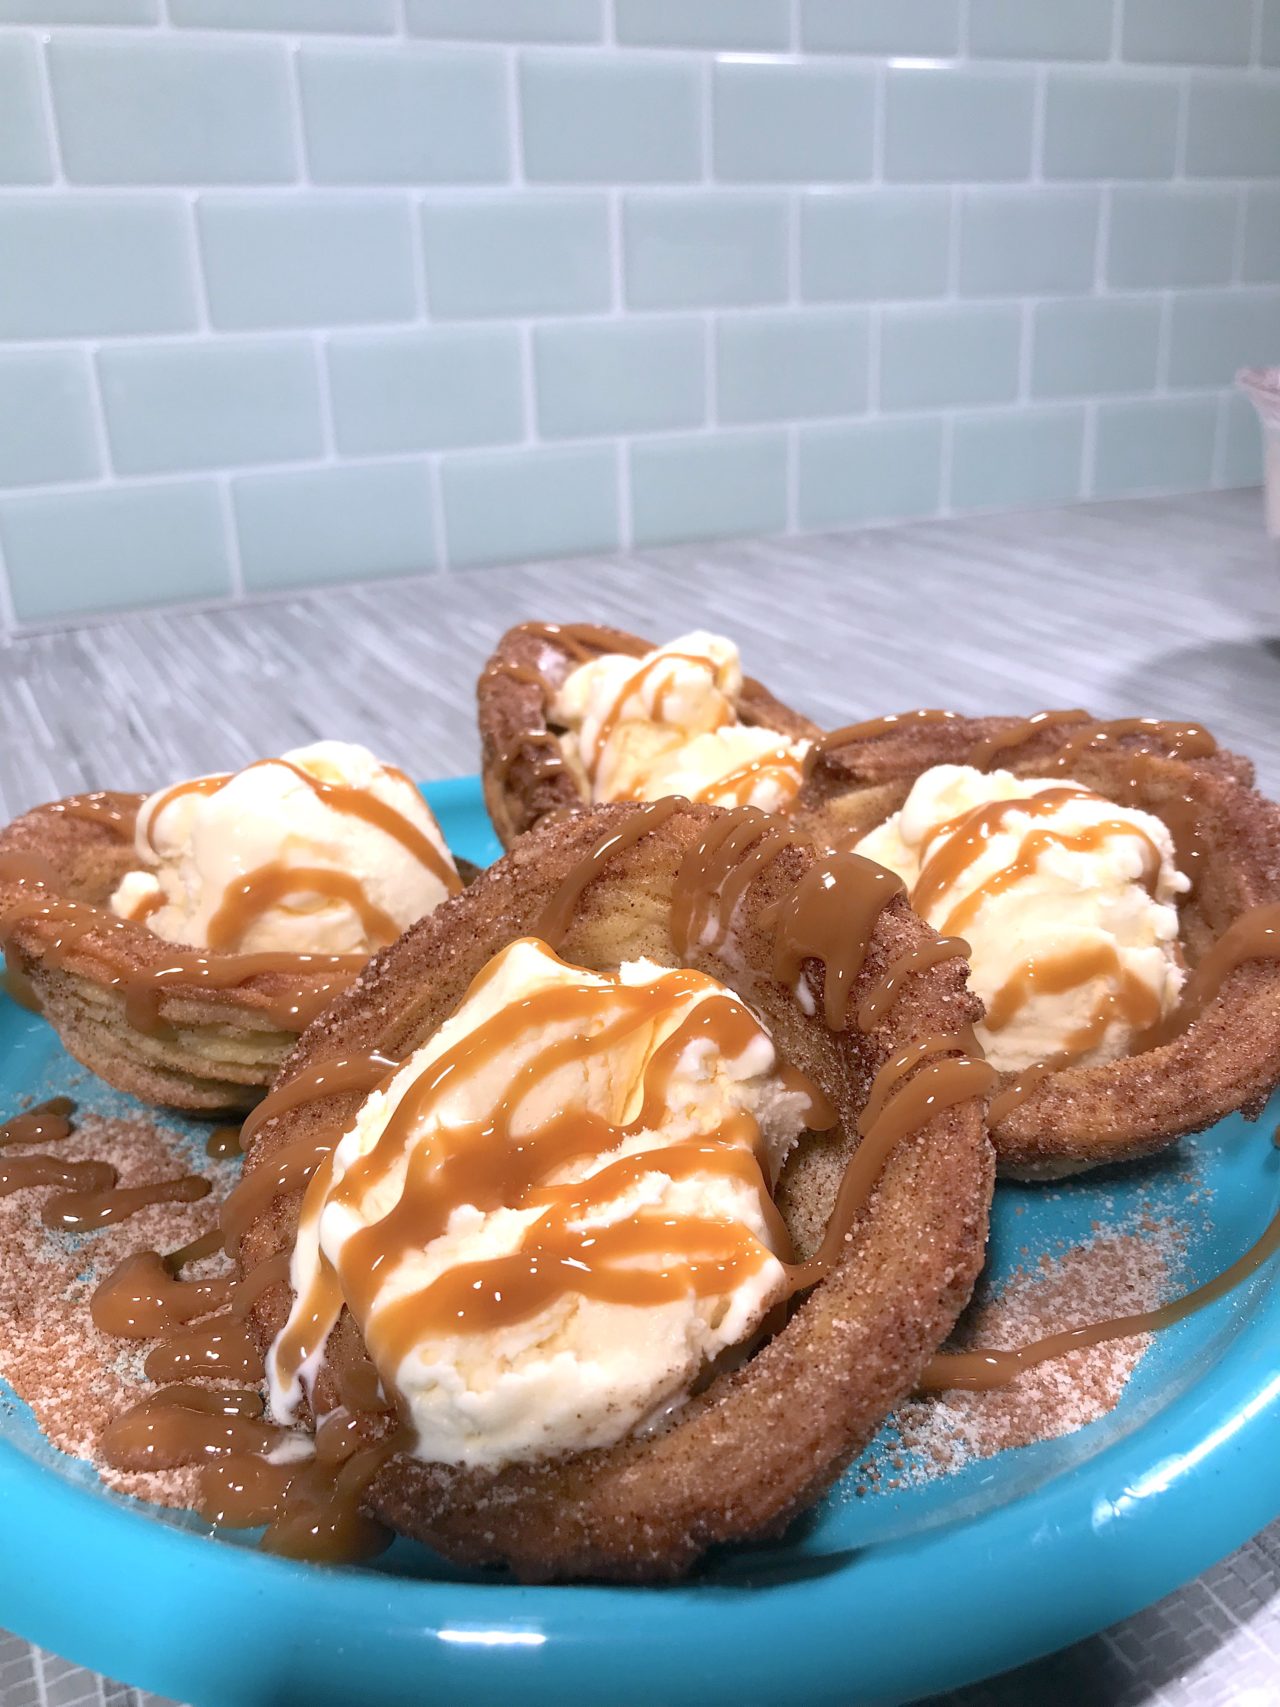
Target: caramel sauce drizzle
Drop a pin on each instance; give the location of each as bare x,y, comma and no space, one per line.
991,746
98,807
556,915
959,844
1255,935
986,1369
223,1144
246,901
94,1206
872,727
273,882
830,916
46,1123
716,873
144,987
634,684
585,640
734,788
880,998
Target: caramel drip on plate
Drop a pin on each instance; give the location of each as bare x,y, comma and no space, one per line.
991,746
223,1143
18,1173
880,998
142,1298
830,916
268,885
207,1245
144,987
95,1206
1255,935
46,1123
98,808
558,912
985,1369
870,728
183,1425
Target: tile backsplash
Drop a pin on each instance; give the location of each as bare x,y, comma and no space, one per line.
302,291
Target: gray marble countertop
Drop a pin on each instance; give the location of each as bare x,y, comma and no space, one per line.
1166,607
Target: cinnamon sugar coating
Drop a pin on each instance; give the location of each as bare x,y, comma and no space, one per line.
1228,1059
515,738
759,1444
212,1048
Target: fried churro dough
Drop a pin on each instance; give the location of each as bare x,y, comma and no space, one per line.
759,1444
205,1047
524,780
1228,840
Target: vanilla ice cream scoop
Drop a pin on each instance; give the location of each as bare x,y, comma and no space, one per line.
321,851
1067,902
556,1214
668,723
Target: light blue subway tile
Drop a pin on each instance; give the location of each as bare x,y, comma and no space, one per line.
884,244
46,417
206,405
1014,457
47,12
713,487
83,266
1214,333
114,548
399,391
399,114
1270,41
722,248
25,154
791,122
532,503
880,26
1103,126
146,110
935,358
316,260
1241,442
1086,349
529,253
1028,242
945,124
621,376
1262,236
1187,32
312,526
782,366
744,24
1018,29
868,471
600,119
1233,127
1166,235
499,20
351,17
1161,445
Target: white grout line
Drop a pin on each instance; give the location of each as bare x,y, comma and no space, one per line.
1089,452
617,255
328,428
622,475
792,476
1238,241
296,128
230,534
1219,459
706,121
1163,341
793,216
435,485
98,419
710,369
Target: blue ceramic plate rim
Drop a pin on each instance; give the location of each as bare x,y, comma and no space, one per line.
101,1582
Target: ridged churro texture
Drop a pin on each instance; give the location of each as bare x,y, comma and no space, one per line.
759,1444
1229,1058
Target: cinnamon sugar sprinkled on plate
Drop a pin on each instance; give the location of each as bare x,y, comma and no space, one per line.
1113,1274
74,1378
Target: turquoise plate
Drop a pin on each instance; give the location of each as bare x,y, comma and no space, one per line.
876,1599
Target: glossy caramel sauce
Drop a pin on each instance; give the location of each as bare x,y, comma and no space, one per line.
1004,740
81,929
880,998
91,1206
47,1123
246,901
99,808
981,1369
224,1143
830,916
558,912
870,728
